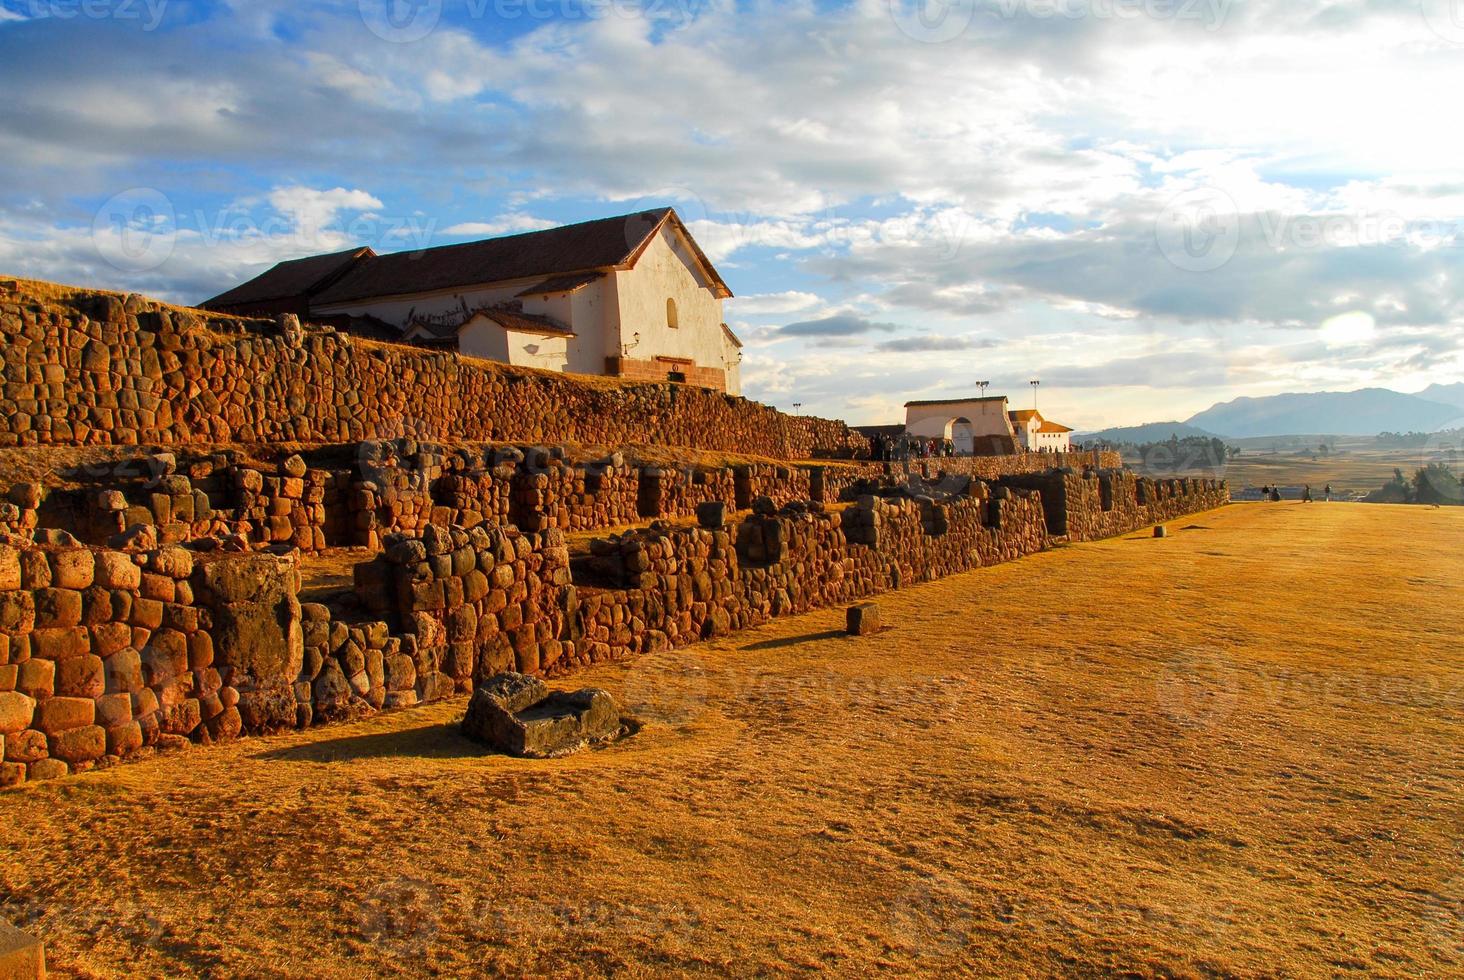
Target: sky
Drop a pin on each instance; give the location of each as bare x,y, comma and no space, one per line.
1148,205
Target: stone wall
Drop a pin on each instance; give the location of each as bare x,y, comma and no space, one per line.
108,655
102,369
357,494
1099,504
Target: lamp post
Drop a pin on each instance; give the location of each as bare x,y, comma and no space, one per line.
1034,383
983,385
796,407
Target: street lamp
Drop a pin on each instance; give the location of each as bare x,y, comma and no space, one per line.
796,407
1034,385
983,385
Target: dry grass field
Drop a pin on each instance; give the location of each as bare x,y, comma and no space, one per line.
1235,751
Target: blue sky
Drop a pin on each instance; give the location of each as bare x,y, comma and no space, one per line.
1150,205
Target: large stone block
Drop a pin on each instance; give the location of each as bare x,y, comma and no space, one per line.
115,570
56,715
257,631
517,714
85,744
26,747
16,712
863,619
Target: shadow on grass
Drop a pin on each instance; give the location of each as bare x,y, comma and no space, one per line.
792,641
428,742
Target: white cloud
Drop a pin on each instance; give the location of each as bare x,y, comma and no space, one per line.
788,301
507,224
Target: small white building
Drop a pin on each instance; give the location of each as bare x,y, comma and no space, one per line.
977,426
1036,434
628,297
985,426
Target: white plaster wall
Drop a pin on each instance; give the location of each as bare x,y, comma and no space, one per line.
732,355
668,269
588,311
987,418
484,338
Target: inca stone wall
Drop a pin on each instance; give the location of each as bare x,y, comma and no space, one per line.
103,370
108,655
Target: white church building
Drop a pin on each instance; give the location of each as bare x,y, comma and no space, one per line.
985,426
628,297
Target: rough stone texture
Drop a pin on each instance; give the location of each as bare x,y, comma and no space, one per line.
142,377
517,714
863,619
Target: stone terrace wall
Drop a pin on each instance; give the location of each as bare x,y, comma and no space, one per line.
99,369
995,467
1103,503
107,655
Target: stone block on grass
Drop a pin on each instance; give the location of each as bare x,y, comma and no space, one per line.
863,619
517,714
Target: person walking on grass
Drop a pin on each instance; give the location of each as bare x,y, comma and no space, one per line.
1329,493
1306,496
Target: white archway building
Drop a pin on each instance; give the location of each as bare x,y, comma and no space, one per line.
977,426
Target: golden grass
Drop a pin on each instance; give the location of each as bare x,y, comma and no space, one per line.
1232,751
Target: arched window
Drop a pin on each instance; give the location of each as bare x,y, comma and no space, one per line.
671,314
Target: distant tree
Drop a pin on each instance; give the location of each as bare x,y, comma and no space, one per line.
1323,449
1396,491
1437,484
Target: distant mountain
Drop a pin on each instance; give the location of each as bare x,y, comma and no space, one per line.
1445,394
1361,413
1141,434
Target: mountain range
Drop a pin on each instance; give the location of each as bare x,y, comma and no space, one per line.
1364,412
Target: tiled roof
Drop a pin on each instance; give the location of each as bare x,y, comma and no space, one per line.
296,277
562,284
555,252
442,328
956,401
1024,415
731,336
1053,427
528,323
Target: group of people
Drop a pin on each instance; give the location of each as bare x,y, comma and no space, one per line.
1273,494
892,448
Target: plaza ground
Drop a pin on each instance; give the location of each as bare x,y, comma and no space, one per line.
1234,751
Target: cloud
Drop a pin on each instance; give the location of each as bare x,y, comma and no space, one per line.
508,224
933,342
838,325
312,210
758,304
1009,180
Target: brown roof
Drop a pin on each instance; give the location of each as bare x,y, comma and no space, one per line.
528,322
1024,415
562,284
1053,427
956,401
296,277
731,336
444,327
602,244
